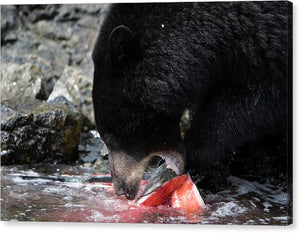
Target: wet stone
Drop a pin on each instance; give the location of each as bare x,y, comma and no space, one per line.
67,13
9,37
89,8
8,14
36,13
8,23
88,22
33,131
91,157
51,30
22,80
93,151
75,86
30,50
51,37
55,54
63,100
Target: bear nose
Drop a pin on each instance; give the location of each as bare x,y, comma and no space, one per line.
130,195
119,191
123,190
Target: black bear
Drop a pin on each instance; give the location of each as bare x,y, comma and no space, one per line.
190,82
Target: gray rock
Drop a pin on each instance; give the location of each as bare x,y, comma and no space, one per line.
8,17
56,41
91,141
90,8
75,86
50,74
33,131
54,53
9,37
76,12
92,149
52,30
89,22
81,39
49,56
84,60
8,23
68,13
21,81
42,38
63,100
35,13
90,157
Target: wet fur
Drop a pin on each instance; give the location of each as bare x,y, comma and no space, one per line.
225,62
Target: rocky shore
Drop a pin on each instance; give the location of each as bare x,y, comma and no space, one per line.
46,84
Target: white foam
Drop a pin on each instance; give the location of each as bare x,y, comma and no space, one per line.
281,218
229,209
73,205
99,217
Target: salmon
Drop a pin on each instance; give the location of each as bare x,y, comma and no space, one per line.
180,193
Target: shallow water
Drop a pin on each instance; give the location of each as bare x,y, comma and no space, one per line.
27,198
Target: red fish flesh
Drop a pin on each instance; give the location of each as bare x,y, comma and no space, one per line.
180,193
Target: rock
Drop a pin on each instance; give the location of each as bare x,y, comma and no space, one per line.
81,50
33,131
48,72
68,13
51,30
93,152
75,86
83,59
89,22
9,37
90,157
51,37
63,100
49,56
90,8
9,22
55,54
47,46
22,81
35,13
91,142
82,39
8,18
77,12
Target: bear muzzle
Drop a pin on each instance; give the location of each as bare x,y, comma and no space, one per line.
127,170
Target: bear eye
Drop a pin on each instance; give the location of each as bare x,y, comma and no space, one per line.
123,45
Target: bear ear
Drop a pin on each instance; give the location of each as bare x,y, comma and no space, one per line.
123,45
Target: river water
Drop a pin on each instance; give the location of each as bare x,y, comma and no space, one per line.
62,193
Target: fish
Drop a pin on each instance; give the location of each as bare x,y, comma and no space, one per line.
161,175
180,193
187,198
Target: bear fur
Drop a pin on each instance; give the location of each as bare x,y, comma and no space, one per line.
225,64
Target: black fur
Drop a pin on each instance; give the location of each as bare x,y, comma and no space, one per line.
225,62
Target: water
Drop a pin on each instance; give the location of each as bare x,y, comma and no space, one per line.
41,199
